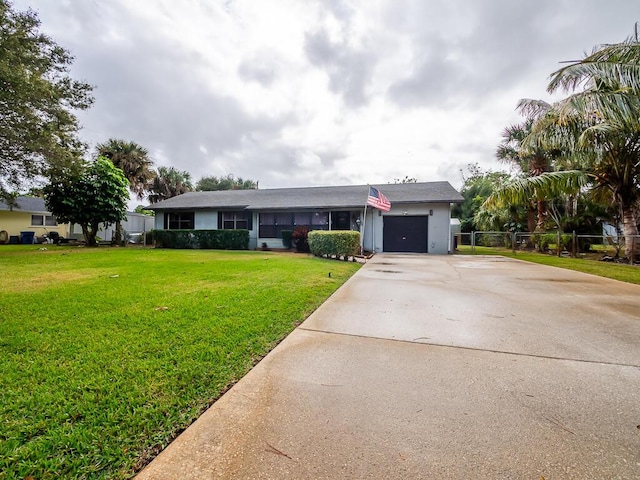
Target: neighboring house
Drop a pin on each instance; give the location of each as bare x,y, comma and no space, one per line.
28,215
419,219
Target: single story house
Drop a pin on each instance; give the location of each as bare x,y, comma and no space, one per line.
418,221
28,215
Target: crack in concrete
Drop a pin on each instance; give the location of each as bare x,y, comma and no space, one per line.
475,349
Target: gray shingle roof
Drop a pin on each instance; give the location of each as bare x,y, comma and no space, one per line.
350,196
26,204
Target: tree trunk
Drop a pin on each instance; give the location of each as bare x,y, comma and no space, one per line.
630,229
89,234
542,214
117,234
531,219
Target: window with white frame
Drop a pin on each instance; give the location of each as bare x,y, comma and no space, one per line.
43,221
235,220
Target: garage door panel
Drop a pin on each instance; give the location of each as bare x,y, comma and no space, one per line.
405,234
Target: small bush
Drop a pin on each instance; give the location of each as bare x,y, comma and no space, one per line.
287,238
339,243
209,239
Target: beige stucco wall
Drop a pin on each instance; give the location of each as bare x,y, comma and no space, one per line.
15,222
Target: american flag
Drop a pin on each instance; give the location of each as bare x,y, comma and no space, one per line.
377,199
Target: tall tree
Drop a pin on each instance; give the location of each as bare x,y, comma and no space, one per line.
96,195
169,182
134,161
229,182
599,125
38,130
532,163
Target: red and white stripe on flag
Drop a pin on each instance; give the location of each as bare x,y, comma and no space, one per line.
377,199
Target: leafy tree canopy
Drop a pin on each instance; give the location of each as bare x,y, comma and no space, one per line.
169,182
133,160
38,131
478,186
96,195
230,182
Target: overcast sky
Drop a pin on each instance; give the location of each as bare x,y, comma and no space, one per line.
302,92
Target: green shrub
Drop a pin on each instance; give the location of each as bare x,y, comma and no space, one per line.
287,238
209,239
339,243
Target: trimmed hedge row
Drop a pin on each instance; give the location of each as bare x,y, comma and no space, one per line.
210,239
340,243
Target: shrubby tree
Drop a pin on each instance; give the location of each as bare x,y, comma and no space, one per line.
135,163
478,186
230,182
98,194
38,131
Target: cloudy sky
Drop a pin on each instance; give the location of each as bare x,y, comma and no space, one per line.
304,92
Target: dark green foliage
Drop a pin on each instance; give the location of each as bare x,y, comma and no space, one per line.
476,189
339,243
229,182
97,195
299,236
208,239
169,182
287,238
38,131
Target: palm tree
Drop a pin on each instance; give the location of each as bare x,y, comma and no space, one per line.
134,161
599,125
168,183
531,162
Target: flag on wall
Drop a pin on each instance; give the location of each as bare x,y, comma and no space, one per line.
377,199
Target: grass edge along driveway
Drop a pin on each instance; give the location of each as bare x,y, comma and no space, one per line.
107,354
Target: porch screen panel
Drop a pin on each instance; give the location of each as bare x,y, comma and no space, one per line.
272,224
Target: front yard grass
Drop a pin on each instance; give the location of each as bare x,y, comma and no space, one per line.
107,354
617,271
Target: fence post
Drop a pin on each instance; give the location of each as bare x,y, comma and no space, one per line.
574,245
558,246
514,236
473,242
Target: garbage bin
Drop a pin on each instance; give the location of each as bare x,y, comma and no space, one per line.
14,239
27,237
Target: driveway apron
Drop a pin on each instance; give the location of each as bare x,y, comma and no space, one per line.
442,367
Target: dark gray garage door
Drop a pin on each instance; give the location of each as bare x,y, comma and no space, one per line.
405,234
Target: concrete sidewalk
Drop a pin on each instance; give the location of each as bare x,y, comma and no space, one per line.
442,367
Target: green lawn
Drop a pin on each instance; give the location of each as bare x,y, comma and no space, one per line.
107,354
617,271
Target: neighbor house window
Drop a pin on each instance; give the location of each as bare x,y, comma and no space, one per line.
43,221
179,220
235,220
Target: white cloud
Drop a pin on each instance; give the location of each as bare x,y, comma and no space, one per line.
293,92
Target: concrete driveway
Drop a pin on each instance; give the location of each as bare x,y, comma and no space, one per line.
447,367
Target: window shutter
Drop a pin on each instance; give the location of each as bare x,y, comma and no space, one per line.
219,220
249,220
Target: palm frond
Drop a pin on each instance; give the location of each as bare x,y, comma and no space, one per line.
545,186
